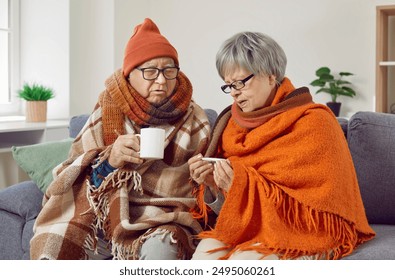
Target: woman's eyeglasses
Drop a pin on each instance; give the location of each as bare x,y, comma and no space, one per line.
152,73
236,84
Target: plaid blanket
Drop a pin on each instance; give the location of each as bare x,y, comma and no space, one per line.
133,202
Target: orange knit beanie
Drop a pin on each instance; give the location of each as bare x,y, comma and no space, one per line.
145,44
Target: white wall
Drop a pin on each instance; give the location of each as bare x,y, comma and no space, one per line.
338,33
79,43
68,45
127,14
91,51
45,50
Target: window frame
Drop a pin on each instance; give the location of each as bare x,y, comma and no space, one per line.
14,106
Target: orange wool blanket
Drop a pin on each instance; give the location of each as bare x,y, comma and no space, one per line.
295,190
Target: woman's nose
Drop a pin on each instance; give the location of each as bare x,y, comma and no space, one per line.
235,92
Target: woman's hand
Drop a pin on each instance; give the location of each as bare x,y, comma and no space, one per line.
223,174
125,150
201,171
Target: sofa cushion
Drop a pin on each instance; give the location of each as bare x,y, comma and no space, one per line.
371,139
76,124
379,248
39,160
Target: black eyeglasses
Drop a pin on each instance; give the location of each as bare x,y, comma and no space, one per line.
236,84
152,73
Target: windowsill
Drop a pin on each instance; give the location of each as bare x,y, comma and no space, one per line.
14,126
12,118
21,133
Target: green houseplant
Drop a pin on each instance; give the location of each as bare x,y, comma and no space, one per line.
36,97
334,86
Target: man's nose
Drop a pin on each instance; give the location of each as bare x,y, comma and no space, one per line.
161,78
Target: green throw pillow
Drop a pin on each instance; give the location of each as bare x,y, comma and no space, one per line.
39,160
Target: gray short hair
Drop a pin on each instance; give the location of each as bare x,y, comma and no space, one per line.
252,51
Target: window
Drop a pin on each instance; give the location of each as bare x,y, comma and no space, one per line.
9,56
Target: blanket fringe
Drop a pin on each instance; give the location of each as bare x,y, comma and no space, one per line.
99,200
92,239
302,218
305,218
200,212
122,251
132,251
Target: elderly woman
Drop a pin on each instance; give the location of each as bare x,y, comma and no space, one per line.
106,201
288,185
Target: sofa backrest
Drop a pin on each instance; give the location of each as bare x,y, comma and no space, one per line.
76,124
371,139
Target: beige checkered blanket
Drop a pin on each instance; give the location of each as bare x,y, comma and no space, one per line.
132,204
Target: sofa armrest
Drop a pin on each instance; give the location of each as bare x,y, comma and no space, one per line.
371,139
19,207
23,199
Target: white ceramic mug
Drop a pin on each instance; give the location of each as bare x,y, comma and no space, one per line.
152,143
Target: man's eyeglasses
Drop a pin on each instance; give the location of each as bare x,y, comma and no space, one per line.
152,73
236,84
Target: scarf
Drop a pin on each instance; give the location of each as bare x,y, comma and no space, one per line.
134,202
123,100
295,190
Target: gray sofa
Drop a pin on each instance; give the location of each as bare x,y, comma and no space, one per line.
371,138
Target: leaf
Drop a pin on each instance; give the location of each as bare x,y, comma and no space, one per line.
327,77
35,92
318,83
327,90
349,91
346,94
332,85
345,74
322,70
342,82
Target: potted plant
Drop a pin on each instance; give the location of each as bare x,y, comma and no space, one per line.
333,86
36,97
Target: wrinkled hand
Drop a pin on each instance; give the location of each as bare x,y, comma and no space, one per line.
125,150
201,171
223,174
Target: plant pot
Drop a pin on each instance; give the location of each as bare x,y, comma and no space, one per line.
335,107
36,111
